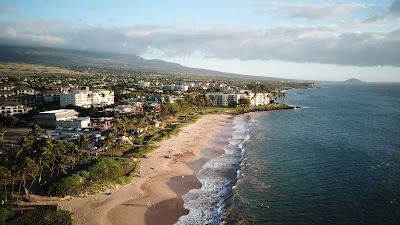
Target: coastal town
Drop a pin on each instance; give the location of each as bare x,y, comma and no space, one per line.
61,135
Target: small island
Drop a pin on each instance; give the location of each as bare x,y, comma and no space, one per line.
353,80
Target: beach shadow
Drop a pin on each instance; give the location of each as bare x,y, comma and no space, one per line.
135,205
166,212
182,185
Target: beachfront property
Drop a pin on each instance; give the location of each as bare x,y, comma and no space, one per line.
260,99
86,98
8,108
225,99
61,118
231,98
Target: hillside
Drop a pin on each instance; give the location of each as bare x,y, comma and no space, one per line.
83,60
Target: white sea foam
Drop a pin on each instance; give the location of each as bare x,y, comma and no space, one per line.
218,176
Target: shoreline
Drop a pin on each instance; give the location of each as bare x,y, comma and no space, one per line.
166,175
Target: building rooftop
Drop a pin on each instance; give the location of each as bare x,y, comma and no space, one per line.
56,114
9,103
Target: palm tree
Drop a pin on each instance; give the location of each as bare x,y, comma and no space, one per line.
42,155
84,142
110,138
5,174
36,131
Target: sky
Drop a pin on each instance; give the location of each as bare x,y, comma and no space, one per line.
312,40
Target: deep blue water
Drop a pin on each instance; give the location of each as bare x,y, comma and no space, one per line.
334,161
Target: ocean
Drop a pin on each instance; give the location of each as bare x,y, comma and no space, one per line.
336,160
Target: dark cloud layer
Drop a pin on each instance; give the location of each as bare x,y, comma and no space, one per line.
394,10
291,44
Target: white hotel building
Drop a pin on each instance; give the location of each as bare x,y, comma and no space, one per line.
86,99
232,98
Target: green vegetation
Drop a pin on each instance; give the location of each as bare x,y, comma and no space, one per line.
5,215
43,215
103,173
241,110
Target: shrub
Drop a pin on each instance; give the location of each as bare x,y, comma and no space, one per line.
84,173
70,185
43,215
5,214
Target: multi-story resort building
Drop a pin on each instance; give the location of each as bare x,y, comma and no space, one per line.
24,91
102,97
174,87
12,108
231,98
260,98
143,84
6,87
6,94
225,99
86,98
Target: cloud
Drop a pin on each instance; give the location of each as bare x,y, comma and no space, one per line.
314,11
302,44
394,9
9,11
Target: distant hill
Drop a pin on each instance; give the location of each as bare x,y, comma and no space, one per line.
76,59
353,80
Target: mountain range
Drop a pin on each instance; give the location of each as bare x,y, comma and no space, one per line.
77,59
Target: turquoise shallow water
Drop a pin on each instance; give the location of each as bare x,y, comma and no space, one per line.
334,161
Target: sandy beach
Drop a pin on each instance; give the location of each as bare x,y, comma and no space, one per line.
156,196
